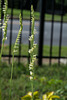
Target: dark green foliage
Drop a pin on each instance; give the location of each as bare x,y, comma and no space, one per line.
25,4
46,79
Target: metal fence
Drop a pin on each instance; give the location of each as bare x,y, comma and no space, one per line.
41,35
41,32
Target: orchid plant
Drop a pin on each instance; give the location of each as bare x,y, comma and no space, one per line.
30,95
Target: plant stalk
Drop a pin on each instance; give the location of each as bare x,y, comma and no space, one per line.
11,77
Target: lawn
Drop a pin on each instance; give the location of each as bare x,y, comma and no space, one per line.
46,50
46,79
26,15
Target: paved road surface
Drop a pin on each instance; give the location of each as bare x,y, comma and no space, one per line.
47,32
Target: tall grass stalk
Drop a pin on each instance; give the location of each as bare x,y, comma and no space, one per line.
31,50
15,49
0,11
4,27
0,28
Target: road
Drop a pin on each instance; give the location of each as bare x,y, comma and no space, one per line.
47,32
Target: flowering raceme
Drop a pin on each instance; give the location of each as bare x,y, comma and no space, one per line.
33,45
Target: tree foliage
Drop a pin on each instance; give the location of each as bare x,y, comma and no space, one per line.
25,3
60,1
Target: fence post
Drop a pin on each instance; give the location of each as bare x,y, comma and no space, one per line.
31,3
41,33
20,42
61,30
11,27
52,29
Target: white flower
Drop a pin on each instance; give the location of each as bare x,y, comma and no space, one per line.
31,50
34,45
15,51
31,78
31,37
31,73
5,38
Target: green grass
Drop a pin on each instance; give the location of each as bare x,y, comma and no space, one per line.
47,78
55,51
46,50
26,15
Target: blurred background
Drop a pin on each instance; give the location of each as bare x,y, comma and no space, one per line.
50,24
36,4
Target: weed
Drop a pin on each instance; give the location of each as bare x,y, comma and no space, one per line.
15,49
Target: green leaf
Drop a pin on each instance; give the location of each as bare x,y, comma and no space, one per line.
26,97
36,95
55,96
50,94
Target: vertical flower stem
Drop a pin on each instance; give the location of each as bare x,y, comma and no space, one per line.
31,52
15,49
1,50
0,95
4,25
0,29
0,9
11,77
32,88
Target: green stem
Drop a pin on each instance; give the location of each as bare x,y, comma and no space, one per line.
0,9
1,50
32,87
11,77
0,95
31,55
